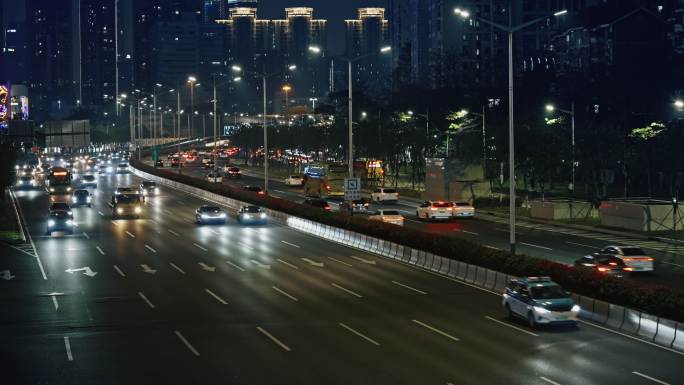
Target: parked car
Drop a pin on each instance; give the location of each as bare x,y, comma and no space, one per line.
382,195
435,210
387,216
294,180
539,300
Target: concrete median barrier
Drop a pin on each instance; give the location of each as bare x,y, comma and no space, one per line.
678,339
490,278
600,312
461,270
648,326
616,316
665,332
444,267
632,321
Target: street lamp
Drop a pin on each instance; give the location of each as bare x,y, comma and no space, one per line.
571,112
484,138
191,82
287,89
510,29
313,104
679,104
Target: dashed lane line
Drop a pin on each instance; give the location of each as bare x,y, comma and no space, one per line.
67,345
284,293
148,247
200,247
287,264
130,234
365,337
290,244
342,262
274,339
552,382
235,266
177,268
657,381
147,301
347,290
409,287
443,334
121,273
186,343
537,246
216,297
100,250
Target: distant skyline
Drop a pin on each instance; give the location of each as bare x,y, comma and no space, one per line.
335,11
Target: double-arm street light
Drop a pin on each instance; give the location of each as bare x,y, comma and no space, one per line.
510,29
191,82
571,112
382,50
264,76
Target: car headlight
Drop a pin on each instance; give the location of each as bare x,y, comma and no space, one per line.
263,215
222,215
51,223
68,188
70,223
247,216
109,169
20,182
74,199
156,190
119,210
16,167
575,309
89,199
541,310
52,189
70,212
137,210
144,192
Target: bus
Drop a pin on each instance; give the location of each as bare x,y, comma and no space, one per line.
334,180
59,181
368,169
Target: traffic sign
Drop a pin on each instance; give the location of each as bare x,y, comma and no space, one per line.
352,188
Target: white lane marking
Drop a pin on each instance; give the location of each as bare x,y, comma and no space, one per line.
284,293
673,264
215,232
372,341
492,247
552,382
469,232
168,212
235,266
121,273
153,221
408,287
246,246
651,378
363,260
54,302
537,246
199,247
174,233
129,234
444,334
114,223
581,244
187,344
631,337
347,290
67,345
101,213
272,338
259,264
511,326
288,264
147,301
86,235
176,267
181,202
290,244
100,250
148,247
342,262
216,297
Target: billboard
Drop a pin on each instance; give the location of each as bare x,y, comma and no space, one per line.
4,106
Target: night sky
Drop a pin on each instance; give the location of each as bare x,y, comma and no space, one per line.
335,11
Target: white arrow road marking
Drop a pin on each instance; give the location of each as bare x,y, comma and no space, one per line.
177,268
86,271
408,287
147,301
235,266
290,244
367,261
206,267
148,247
313,263
444,334
372,341
199,247
100,250
657,381
5,274
287,264
129,234
121,273
259,264
216,297
186,343
347,290
342,262
284,293
147,269
272,338
67,345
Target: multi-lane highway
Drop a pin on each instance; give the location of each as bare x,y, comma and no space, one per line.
161,300
557,243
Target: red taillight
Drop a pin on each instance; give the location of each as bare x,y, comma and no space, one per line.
261,193
327,208
603,269
612,263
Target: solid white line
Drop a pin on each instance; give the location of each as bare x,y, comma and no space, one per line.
199,247
101,213
651,378
216,297
146,300
288,264
70,357
129,234
444,334
492,247
187,344
342,262
631,337
582,244
469,232
119,271
235,266
347,290
54,302
174,233
537,246
549,381
86,235
100,250
285,294
114,223
148,247
408,287
290,244
511,326
27,234
176,267
372,341
673,264
272,338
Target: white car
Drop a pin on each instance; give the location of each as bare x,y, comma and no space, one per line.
634,257
539,300
462,210
387,216
294,180
381,195
214,177
435,210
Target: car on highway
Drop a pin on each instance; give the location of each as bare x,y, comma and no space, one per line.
210,214
539,300
604,264
125,190
435,210
59,221
382,195
294,180
26,182
126,205
208,165
88,181
82,197
159,163
252,214
105,169
387,216
122,168
254,189
61,206
355,206
462,210
318,203
635,258
233,172
214,177
149,188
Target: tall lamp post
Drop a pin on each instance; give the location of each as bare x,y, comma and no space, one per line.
191,82
571,112
510,29
264,76
286,89
215,113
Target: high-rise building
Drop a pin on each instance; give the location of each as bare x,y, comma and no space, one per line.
98,57
365,37
175,52
213,39
14,41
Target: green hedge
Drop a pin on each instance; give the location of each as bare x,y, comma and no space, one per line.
657,300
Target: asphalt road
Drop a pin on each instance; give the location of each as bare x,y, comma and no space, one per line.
544,241
161,300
